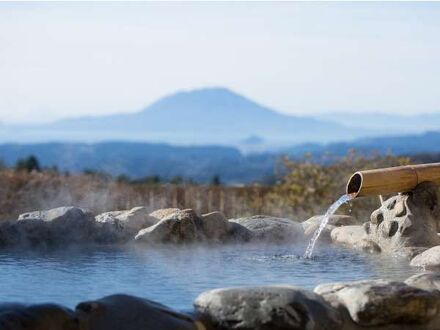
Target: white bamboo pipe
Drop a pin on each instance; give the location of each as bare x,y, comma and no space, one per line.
392,180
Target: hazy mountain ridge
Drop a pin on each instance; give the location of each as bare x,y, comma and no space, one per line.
202,163
204,116
391,123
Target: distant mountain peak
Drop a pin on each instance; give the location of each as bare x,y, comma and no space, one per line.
207,98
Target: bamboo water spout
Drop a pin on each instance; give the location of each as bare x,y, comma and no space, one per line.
392,180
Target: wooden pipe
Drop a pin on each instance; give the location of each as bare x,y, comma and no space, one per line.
392,180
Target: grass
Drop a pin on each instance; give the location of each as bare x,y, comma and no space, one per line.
304,188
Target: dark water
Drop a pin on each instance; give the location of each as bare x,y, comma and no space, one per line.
175,276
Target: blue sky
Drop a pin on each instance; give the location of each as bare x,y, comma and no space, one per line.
65,59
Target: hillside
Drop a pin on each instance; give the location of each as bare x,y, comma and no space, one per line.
138,160
426,143
202,163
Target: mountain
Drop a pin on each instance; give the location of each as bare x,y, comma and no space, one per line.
204,116
202,163
138,160
414,144
388,123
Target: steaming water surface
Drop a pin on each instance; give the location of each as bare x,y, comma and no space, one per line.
175,276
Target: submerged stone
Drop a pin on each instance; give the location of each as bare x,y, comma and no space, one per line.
268,307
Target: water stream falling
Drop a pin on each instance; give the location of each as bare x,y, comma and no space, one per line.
331,210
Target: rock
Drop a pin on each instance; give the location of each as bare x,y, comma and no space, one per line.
215,226
429,259
426,281
407,220
325,235
130,313
238,233
163,213
313,223
334,220
269,307
134,220
379,302
367,246
348,235
410,252
36,317
271,229
120,226
59,225
180,227
26,233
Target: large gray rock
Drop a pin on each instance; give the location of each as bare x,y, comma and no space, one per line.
354,237
238,233
163,213
429,259
380,303
123,312
215,226
348,235
426,281
120,226
60,225
271,229
179,227
313,223
264,308
407,220
36,317
133,220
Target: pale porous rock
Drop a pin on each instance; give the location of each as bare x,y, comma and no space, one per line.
36,317
119,226
271,229
354,237
348,235
382,303
215,226
426,281
407,220
134,220
63,224
130,313
179,227
429,259
264,308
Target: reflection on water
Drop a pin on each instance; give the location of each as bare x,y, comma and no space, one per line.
175,276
